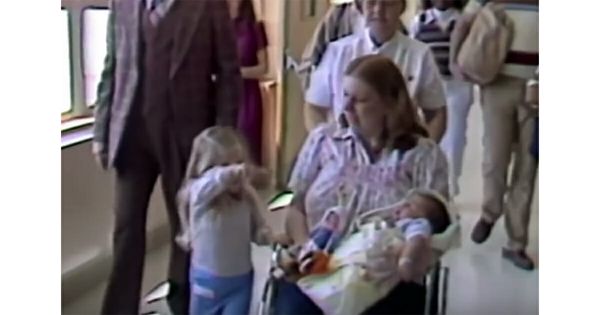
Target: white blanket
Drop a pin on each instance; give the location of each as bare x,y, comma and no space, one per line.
346,290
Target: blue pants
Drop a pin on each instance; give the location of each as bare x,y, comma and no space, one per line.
212,295
535,144
459,97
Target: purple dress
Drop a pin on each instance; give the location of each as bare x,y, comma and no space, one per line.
251,38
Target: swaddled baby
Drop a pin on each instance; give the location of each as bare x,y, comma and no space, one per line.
416,219
360,271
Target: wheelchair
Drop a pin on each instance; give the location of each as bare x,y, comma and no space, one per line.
436,280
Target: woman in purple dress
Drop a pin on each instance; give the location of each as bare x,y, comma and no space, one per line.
252,48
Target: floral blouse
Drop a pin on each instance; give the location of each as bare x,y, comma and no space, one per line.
335,158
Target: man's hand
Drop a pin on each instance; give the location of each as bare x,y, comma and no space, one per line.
532,94
436,123
184,242
457,72
100,155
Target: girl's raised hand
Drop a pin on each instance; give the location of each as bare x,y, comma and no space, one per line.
233,174
259,176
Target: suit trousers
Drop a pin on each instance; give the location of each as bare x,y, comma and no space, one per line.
507,129
142,158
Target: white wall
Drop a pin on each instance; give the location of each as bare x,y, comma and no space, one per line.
86,218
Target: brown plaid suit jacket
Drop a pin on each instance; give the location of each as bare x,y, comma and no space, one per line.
208,30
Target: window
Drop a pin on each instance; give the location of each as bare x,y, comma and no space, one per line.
65,76
95,21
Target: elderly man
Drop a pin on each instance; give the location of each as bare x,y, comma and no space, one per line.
381,35
171,71
342,19
506,120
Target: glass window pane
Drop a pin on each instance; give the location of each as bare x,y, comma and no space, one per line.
94,50
65,100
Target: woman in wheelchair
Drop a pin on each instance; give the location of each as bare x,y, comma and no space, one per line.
380,152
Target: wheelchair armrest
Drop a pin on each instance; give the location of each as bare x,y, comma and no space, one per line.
280,200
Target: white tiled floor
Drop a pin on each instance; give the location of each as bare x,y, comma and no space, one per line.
481,283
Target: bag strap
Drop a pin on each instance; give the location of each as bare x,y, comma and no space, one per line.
451,26
422,17
343,10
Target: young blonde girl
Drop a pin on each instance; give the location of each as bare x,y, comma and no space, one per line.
220,213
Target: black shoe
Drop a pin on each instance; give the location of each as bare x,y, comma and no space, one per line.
481,231
176,305
177,301
519,258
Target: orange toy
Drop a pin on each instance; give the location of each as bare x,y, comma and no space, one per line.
320,263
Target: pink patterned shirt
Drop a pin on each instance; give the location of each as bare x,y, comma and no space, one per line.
334,156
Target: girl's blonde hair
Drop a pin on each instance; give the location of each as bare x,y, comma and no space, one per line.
209,149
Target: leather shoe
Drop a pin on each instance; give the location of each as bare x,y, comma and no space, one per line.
519,258
481,231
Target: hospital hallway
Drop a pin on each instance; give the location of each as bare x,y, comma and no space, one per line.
480,282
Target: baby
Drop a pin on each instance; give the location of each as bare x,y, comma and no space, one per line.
367,265
416,220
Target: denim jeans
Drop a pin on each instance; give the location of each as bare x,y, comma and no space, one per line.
212,294
459,98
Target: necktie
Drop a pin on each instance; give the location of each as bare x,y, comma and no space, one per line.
158,9
151,5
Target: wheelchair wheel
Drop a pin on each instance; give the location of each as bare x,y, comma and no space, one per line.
444,276
432,306
268,295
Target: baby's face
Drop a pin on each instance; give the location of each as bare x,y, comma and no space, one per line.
414,207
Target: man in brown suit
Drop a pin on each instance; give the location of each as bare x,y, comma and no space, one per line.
171,71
